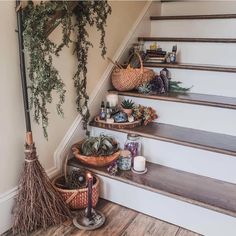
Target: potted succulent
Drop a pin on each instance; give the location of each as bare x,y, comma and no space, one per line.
127,106
97,151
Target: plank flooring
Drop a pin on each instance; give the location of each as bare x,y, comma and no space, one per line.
203,191
194,17
192,40
186,66
191,98
205,140
120,221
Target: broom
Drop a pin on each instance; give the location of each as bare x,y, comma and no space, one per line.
38,204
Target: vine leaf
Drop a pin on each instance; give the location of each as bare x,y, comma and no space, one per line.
44,77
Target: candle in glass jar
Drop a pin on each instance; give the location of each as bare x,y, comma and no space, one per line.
112,98
139,163
90,186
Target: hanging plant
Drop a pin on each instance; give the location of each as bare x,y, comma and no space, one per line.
44,78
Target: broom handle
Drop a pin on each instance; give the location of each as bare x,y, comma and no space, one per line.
29,138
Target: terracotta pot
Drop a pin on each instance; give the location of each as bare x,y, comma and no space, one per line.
128,111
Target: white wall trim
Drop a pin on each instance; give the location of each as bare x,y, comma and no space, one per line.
7,198
7,203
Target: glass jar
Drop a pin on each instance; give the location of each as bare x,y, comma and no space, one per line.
124,161
133,144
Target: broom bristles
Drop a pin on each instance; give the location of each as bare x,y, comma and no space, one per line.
38,204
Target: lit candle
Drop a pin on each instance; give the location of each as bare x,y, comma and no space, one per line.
90,186
139,163
112,98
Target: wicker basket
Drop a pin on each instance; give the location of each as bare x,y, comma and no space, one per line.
130,78
77,198
97,161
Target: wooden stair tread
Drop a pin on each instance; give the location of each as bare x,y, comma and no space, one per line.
194,17
191,98
195,189
205,140
192,66
197,40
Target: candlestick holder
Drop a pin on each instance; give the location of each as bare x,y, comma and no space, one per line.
95,221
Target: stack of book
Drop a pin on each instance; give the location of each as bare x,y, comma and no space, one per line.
156,56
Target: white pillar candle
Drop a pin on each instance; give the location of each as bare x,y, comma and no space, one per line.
112,98
139,163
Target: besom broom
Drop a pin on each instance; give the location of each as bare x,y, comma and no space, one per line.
38,204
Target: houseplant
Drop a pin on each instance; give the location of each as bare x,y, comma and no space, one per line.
44,78
127,106
96,151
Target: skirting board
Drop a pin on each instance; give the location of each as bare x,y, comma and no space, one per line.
189,216
7,203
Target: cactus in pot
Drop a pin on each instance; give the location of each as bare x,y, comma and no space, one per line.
127,106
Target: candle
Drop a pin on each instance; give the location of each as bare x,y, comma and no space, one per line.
139,163
112,98
90,186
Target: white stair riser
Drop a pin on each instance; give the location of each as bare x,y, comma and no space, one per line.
201,53
192,217
205,82
198,8
219,28
206,118
181,157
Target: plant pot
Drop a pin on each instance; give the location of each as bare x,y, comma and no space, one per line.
77,198
127,111
97,161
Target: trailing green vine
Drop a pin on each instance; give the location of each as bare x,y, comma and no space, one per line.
43,76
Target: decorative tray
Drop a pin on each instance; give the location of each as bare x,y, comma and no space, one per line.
104,124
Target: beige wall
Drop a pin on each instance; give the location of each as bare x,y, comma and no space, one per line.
12,124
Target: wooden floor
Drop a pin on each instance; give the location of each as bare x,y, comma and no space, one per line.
120,221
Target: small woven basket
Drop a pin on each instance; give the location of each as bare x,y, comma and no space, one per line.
130,78
77,198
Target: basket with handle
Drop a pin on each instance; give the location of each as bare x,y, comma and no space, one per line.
125,79
77,198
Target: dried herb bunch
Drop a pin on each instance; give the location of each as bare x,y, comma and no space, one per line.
44,77
147,114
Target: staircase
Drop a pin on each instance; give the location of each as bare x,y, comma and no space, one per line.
191,148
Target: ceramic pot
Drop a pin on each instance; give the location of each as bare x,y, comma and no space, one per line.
128,111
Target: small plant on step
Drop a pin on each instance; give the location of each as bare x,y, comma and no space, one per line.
98,146
147,114
127,104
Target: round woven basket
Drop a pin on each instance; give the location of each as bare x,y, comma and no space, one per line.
97,161
130,78
77,198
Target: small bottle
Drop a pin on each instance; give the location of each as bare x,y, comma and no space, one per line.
102,114
108,111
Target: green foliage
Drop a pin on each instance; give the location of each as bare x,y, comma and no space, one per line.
44,78
144,88
127,104
98,146
175,87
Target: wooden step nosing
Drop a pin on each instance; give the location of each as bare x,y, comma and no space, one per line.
171,140
194,17
191,67
179,100
190,40
162,192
